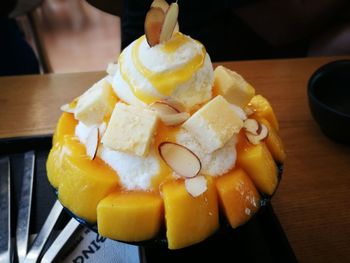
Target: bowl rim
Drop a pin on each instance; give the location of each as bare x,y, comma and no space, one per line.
316,75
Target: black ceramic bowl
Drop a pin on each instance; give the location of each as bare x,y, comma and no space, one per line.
329,99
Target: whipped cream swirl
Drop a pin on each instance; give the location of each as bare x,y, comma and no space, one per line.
179,69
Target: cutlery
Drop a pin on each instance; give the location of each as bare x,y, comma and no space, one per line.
5,208
42,237
23,218
60,241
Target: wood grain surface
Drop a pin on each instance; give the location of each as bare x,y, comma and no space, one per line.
312,200
30,105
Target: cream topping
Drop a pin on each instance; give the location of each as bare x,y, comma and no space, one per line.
179,68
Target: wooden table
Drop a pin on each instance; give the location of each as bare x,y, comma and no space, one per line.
312,200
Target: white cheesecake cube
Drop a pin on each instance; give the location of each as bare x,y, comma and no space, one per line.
214,124
130,129
95,104
232,86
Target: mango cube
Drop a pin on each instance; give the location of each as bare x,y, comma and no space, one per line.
95,104
54,164
232,86
263,109
130,216
82,182
65,126
257,161
274,143
130,129
189,220
214,124
238,197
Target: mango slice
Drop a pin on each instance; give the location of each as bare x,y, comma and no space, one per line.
263,109
274,143
83,183
130,216
65,126
54,164
189,220
238,197
257,161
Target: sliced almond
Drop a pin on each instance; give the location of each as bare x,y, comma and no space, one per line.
168,114
251,126
179,158
177,105
163,107
162,4
177,28
169,22
264,132
92,143
67,108
196,186
174,119
102,129
256,139
153,25
252,138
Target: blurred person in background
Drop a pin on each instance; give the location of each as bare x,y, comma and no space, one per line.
249,29
16,55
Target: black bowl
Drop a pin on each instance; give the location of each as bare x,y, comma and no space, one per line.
329,99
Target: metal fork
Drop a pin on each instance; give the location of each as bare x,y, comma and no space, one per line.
60,241
5,208
22,231
23,220
42,237
25,204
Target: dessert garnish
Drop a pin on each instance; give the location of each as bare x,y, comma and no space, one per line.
174,119
163,107
251,126
168,114
92,143
164,6
255,131
153,25
180,159
169,23
160,22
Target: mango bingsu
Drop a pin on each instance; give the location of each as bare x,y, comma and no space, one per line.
164,144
